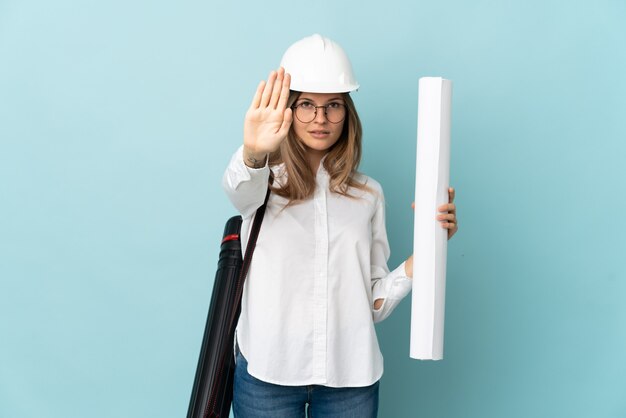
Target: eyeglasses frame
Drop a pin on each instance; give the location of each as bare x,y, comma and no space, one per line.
296,106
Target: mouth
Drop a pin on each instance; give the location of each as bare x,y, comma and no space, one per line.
319,134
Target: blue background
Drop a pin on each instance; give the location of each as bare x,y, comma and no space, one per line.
118,118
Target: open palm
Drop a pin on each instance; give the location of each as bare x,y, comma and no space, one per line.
268,120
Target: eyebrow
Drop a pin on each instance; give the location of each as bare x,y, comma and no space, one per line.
327,101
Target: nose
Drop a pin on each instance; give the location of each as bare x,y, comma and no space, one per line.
320,114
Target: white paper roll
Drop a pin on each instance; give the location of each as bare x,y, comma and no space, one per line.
430,240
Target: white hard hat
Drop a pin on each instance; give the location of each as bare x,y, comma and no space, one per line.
319,65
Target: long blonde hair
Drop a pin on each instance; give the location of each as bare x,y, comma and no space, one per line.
341,162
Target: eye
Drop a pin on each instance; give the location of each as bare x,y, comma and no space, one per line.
306,105
334,105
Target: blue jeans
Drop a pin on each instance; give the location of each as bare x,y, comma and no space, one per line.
253,398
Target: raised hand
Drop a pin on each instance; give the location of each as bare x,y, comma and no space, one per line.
267,120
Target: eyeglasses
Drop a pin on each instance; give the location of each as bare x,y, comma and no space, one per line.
307,111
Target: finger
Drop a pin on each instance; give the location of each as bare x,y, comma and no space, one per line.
413,205
267,91
256,101
278,85
284,127
284,93
447,217
448,225
448,207
451,193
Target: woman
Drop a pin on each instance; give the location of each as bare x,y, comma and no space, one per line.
319,278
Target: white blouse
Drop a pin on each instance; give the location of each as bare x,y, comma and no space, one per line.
307,313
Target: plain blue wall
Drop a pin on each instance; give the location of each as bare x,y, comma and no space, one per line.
117,120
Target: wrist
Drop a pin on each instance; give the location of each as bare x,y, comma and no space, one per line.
254,159
408,267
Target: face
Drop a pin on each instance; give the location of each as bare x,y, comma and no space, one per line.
319,134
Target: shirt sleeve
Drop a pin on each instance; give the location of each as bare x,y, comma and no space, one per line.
391,286
246,187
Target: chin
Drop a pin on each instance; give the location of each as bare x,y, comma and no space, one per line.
316,145
320,147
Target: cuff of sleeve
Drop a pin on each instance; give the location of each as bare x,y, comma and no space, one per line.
402,284
395,286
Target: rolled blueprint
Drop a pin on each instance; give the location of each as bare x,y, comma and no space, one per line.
430,240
